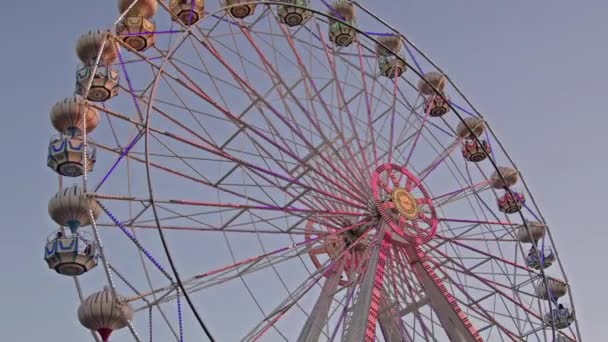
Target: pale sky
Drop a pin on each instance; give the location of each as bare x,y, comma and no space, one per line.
536,69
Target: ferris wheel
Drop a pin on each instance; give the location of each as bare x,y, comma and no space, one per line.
289,171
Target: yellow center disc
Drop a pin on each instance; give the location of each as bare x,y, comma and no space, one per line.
405,203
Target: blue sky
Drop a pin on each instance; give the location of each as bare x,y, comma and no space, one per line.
535,69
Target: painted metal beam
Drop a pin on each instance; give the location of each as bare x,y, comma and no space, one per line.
454,321
311,332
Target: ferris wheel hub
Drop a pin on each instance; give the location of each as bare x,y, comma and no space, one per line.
405,203
326,243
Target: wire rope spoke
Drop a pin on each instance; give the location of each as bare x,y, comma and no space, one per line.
219,276
266,103
496,289
252,167
311,84
241,121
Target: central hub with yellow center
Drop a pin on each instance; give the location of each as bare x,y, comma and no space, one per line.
405,203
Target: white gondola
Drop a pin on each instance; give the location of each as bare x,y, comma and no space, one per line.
508,179
104,85
431,82
294,12
342,21
136,29
71,208
511,202
468,125
187,12
69,115
104,82
136,32
560,318
555,289
431,86
437,105
475,150
390,57
547,258
105,312
70,255
66,155
534,232
241,9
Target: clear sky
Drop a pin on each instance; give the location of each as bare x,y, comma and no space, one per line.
536,69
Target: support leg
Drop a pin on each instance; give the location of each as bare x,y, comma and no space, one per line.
454,321
362,325
390,323
311,332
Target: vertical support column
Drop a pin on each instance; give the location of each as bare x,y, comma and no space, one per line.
360,309
390,323
454,321
362,325
311,332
